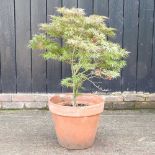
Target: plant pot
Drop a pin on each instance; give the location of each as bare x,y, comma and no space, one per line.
76,126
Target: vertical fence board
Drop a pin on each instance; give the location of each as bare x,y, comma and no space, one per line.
101,8
70,3
116,21
130,43
23,54
87,5
38,15
66,69
145,45
7,46
152,88
53,67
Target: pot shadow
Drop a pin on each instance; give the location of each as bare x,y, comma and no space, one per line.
103,143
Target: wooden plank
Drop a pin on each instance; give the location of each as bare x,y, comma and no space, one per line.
70,3
66,69
152,88
116,21
53,67
87,5
145,45
23,54
38,15
130,43
7,46
100,8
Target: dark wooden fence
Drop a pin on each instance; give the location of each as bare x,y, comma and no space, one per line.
23,70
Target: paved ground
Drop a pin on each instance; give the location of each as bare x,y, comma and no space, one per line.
120,133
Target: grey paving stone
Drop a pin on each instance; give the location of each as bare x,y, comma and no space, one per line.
31,132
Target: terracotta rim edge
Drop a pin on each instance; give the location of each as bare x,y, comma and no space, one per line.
91,109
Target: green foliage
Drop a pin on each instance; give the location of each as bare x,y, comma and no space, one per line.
85,46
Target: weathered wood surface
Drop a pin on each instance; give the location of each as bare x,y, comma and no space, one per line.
130,43
7,47
145,40
38,15
23,53
116,21
23,70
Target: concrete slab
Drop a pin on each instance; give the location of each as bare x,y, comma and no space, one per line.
31,132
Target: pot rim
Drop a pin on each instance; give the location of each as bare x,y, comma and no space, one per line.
93,108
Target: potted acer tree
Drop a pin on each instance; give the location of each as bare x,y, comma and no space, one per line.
90,55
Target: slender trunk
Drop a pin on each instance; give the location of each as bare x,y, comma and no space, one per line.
74,86
74,96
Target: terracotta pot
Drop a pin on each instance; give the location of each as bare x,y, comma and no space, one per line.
76,126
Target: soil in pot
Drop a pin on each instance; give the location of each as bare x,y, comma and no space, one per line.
78,105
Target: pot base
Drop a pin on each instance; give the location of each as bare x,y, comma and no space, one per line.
76,132
75,147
